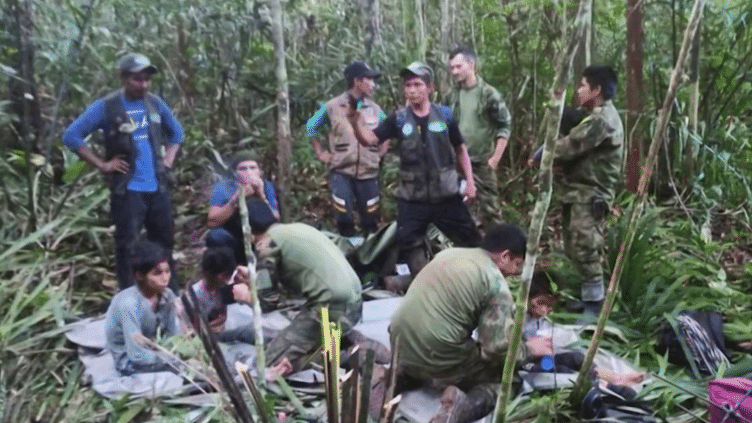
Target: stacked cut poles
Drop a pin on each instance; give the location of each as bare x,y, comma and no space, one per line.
257,329
330,334
641,197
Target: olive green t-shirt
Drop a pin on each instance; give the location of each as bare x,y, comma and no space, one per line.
313,266
477,132
460,290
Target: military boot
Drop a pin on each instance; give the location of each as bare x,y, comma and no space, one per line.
459,407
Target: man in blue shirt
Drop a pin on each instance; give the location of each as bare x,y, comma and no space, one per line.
224,216
136,126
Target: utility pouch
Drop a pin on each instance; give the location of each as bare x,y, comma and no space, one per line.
599,208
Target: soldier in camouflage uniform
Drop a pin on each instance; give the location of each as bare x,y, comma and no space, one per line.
308,264
591,159
485,124
460,290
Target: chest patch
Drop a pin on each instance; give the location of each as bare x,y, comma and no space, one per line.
437,126
407,129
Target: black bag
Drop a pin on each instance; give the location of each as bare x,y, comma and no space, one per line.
614,404
695,339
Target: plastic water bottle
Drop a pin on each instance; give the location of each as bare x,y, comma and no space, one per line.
547,362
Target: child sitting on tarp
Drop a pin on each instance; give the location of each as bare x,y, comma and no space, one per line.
146,309
540,300
223,283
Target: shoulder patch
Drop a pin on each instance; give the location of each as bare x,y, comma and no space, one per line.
437,126
155,117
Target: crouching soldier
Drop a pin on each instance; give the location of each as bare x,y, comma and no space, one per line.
460,290
307,264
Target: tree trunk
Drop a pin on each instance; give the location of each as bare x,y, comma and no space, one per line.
545,176
24,97
420,31
641,197
446,43
284,140
584,52
635,103
371,10
694,100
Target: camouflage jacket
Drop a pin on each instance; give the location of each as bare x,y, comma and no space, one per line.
495,119
593,151
460,290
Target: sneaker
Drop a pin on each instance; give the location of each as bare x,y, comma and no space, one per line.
455,407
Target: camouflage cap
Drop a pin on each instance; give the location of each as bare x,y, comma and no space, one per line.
135,63
418,69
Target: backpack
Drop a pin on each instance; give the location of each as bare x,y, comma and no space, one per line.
614,403
730,400
695,339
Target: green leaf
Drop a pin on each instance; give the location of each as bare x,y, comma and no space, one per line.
131,413
74,171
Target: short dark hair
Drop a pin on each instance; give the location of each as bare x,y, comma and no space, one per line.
463,50
242,156
540,284
505,236
602,76
218,261
146,255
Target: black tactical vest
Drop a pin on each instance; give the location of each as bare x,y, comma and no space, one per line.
118,142
428,164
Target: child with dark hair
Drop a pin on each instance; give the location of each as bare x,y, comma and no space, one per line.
147,309
540,301
223,283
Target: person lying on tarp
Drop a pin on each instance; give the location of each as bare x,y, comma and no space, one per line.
540,301
146,309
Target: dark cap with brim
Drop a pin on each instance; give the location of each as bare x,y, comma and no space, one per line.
135,63
359,69
417,69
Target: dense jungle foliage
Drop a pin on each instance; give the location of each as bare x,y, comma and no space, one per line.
693,248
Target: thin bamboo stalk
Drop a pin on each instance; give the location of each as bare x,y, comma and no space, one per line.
258,331
641,197
258,399
242,413
551,121
365,386
389,409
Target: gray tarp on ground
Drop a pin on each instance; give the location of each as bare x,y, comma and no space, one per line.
417,406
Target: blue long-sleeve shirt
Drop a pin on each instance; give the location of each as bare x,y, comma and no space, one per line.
95,117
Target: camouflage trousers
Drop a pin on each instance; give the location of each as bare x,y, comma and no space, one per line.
475,376
584,245
302,337
486,209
